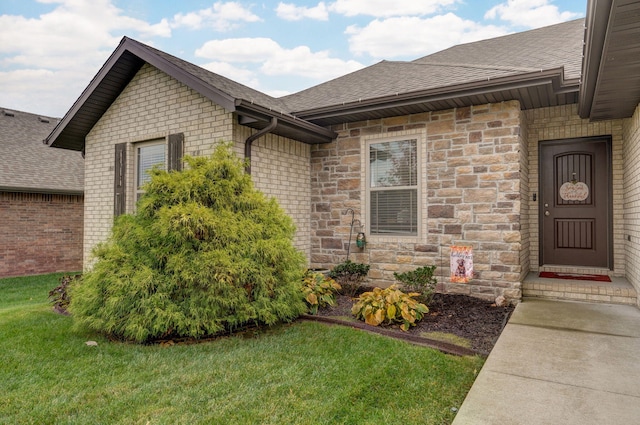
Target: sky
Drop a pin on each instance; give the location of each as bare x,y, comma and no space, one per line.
51,49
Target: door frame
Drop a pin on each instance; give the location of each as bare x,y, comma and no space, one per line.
609,208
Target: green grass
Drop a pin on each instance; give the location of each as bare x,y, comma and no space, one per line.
303,373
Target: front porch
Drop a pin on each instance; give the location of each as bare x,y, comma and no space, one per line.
618,291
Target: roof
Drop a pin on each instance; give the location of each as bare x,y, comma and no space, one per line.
255,109
611,87
27,164
539,68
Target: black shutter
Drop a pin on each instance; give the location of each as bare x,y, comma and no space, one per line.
176,142
119,183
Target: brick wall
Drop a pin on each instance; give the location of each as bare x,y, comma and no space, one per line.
470,190
631,155
155,105
41,233
563,122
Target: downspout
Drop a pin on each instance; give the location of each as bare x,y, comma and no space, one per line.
254,136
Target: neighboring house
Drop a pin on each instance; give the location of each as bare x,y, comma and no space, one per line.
41,198
525,147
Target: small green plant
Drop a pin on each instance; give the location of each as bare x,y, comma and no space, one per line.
59,296
389,306
350,276
420,280
319,290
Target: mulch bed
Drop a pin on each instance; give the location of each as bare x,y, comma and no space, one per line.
478,321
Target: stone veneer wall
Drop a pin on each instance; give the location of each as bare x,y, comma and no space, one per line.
155,105
631,154
470,184
41,233
563,122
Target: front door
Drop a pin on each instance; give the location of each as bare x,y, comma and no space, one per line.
575,202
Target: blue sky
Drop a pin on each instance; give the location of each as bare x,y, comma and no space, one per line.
51,49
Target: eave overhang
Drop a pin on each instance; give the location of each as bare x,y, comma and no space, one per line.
259,117
533,90
611,62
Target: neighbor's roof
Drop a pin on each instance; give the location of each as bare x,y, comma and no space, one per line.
539,68
27,164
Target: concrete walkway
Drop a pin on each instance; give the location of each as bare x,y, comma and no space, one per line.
560,363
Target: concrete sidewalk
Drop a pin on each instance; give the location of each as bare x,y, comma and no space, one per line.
560,363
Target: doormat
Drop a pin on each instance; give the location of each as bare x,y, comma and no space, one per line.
569,276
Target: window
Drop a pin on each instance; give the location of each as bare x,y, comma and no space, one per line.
167,152
148,155
393,187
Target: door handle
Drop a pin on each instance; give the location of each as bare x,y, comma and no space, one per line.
546,213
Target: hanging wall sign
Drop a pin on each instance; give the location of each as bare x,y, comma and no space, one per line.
461,264
574,191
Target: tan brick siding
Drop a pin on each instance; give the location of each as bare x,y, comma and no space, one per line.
631,155
470,187
41,233
563,122
155,105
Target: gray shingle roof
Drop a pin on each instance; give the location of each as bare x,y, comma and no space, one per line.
27,164
552,47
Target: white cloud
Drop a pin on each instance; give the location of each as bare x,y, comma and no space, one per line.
388,8
237,74
276,60
221,17
529,13
291,12
416,37
57,53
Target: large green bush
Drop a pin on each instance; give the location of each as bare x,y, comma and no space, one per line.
205,253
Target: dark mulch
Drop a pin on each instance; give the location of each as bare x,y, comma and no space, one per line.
478,321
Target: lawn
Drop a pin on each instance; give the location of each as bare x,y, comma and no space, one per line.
301,373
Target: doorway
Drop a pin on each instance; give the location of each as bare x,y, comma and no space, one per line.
576,202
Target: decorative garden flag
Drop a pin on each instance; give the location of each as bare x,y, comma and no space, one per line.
461,264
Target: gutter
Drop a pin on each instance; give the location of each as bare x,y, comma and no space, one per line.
247,144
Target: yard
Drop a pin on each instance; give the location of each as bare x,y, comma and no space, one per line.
302,373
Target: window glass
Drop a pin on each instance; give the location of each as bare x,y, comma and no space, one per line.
393,187
148,156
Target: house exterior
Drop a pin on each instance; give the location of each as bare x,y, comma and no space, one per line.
41,199
522,147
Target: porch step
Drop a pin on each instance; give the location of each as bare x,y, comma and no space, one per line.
618,291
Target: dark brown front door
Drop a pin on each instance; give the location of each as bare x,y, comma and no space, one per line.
575,202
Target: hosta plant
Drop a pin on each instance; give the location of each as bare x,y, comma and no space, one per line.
319,290
389,306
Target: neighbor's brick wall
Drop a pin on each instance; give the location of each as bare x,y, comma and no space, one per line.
41,233
563,122
155,105
470,186
631,154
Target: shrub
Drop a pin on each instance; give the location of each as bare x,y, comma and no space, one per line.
319,290
59,296
420,280
205,253
389,306
350,276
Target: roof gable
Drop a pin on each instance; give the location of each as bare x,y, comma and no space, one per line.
256,108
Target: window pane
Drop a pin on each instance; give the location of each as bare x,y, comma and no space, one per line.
394,211
393,163
148,156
